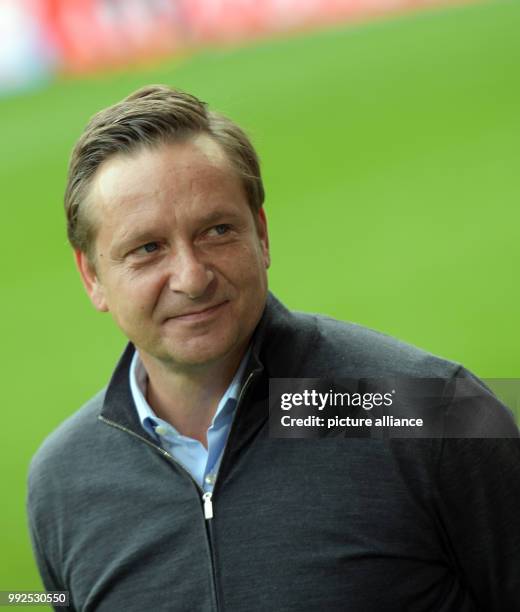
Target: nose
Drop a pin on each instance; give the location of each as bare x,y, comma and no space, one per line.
190,275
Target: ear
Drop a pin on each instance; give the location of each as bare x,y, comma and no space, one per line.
261,224
91,281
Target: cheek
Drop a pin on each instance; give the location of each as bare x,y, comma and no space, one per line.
250,270
251,259
259,262
134,296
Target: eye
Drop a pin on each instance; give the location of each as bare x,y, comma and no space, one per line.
221,229
149,247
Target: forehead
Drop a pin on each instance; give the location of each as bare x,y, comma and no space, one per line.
195,171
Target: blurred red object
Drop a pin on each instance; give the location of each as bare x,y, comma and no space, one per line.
90,34
232,20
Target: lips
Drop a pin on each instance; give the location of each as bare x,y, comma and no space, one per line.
201,314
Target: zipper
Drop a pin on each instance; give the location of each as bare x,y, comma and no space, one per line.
207,499
208,505
207,496
243,390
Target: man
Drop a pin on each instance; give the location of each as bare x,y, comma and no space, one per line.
165,491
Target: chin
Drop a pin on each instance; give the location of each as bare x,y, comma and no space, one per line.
201,354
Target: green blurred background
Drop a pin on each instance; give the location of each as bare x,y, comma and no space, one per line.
391,160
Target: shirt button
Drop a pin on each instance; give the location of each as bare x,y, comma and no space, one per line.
210,479
161,430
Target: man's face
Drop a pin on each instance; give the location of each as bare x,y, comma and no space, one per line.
180,258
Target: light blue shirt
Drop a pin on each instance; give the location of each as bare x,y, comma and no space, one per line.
200,462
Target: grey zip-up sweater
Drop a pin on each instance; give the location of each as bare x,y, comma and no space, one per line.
357,525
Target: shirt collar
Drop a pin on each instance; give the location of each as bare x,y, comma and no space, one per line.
139,381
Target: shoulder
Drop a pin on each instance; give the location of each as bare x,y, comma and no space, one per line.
341,347
70,440
332,349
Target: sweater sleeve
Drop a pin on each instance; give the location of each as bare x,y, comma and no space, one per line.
478,492
50,578
50,582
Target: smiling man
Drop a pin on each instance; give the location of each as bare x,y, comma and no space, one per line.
180,261
166,492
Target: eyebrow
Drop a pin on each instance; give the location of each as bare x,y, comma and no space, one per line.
217,215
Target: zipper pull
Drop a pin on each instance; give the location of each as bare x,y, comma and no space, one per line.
208,505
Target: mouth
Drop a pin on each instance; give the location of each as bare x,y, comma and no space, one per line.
200,315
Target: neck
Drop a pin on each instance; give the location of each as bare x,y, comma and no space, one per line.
188,398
